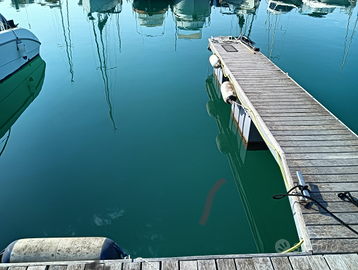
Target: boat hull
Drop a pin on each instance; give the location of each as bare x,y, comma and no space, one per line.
18,46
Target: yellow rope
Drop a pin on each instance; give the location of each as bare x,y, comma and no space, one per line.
294,247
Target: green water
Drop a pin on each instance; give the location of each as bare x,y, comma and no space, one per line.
119,143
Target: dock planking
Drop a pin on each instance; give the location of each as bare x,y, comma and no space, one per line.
303,136
292,261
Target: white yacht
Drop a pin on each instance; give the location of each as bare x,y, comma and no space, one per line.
18,46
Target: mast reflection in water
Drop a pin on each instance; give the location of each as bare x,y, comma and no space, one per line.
100,13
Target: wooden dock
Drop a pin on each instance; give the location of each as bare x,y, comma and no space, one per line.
294,261
302,136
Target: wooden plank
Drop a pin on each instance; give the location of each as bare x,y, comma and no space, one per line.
300,263
336,262
328,137
246,62
326,170
245,264
206,265
60,267
323,163
279,101
351,260
334,207
330,178
327,122
331,231
318,262
312,132
247,72
41,267
306,103
279,94
76,266
331,197
225,264
258,66
112,265
170,265
294,119
188,265
94,266
269,111
281,263
283,106
17,268
333,187
281,80
295,127
273,89
324,246
149,266
251,75
315,143
321,156
320,149
263,263
131,266
311,113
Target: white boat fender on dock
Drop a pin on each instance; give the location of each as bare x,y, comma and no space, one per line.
21,48
61,249
228,92
214,61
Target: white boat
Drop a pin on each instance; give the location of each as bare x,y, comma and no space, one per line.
18,46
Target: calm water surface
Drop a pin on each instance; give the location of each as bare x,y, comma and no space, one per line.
118,141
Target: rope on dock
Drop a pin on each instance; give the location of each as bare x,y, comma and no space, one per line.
294,247
302,188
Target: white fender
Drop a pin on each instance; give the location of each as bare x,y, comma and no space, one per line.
214,61
228,92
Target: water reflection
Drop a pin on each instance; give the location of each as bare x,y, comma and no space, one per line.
16,94
151,14
190,17
101,6
348,38
320,9
281,7
65,26
249,175
245,10
101,15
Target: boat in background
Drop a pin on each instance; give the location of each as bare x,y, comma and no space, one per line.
18,46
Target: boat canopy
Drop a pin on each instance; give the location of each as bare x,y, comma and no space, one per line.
5,24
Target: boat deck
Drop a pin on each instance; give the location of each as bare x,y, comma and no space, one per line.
296,261
302,136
